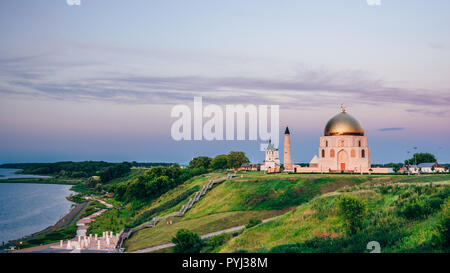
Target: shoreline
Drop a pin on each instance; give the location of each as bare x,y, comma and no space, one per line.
65,221
52,181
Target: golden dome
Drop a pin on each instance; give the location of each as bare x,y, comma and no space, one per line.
343,124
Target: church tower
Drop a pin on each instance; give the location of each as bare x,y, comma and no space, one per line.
287,150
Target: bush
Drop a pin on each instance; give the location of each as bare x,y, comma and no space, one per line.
444,224
354,212
214,242
152,184
253,222
416,208
187,241
386,235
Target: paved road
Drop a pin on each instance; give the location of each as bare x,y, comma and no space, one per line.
228,230
86,204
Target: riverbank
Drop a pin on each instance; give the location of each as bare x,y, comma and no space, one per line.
54,181
79,240
64,228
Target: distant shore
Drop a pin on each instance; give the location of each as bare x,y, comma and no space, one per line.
51,180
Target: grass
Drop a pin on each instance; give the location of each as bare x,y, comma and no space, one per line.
255,195
164,232
317,227
111,220
248,193
92,208
254,191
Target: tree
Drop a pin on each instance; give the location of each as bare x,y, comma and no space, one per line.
421,158
354,212
201,161
91,182
187,241
236,159
115,171
219,162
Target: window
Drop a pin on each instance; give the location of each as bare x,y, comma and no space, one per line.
359,143
342,143
353,153
331,153
363,153
323,153
326,143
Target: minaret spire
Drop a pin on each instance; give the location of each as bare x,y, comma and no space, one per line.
287,150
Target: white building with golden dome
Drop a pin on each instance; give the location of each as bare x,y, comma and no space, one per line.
342,148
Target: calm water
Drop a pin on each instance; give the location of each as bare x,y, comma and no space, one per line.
28,208
10,173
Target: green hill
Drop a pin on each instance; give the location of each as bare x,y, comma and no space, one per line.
234,202
305,204
403,217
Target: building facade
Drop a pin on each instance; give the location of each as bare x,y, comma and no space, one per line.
342,148
272,159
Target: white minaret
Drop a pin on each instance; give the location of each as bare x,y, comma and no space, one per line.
287,150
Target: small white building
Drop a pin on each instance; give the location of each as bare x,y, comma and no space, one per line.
431,168
413,169
272,159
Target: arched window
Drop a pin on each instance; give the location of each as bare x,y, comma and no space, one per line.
353,153
326,143
363,153
323,153
342,143
359,143
331,153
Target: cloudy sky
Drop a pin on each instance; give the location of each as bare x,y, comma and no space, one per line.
98,81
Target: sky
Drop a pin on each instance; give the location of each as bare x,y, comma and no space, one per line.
98,81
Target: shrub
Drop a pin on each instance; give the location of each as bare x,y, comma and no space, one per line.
253,222
187,241
443,226
416,208
354,212
216,241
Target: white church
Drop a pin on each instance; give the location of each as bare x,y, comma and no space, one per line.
272,160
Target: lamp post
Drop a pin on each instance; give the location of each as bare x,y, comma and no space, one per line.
407,166
415,161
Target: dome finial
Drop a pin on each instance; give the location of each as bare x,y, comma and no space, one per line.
343,108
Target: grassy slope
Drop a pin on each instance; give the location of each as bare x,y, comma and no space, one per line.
234,202
309,220
256,191
164,232
198,180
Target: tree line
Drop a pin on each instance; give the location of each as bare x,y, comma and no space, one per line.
233,160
